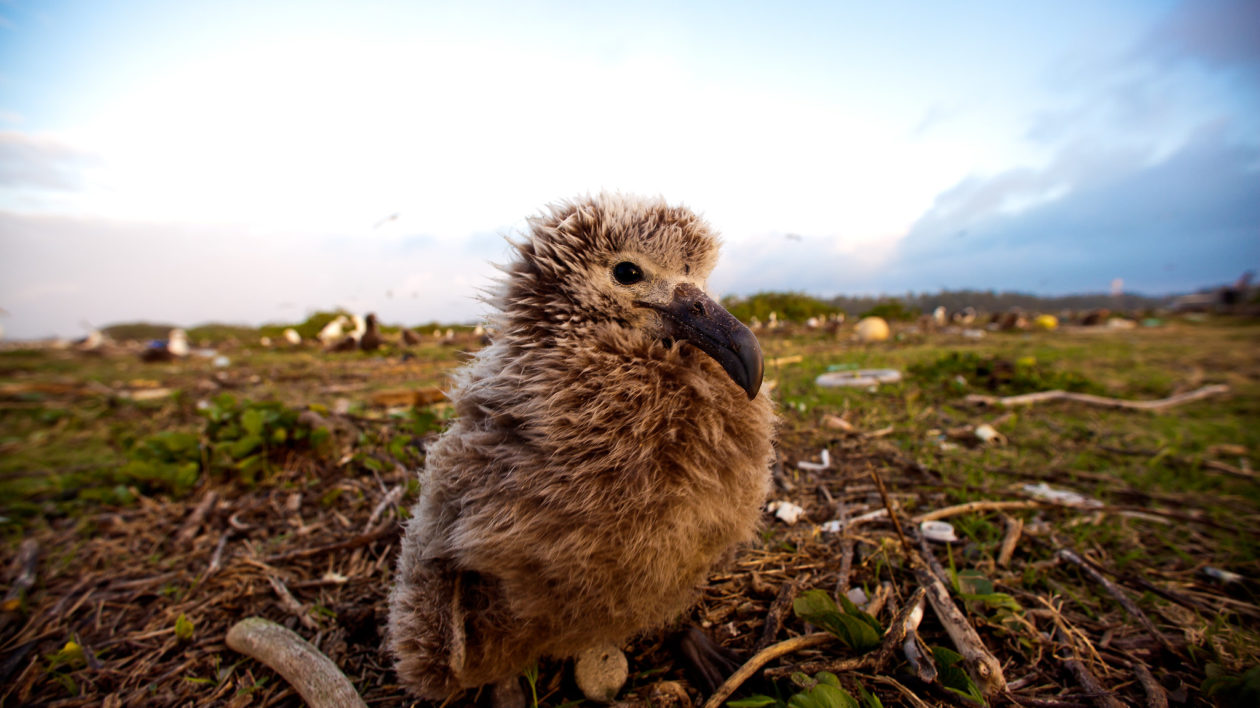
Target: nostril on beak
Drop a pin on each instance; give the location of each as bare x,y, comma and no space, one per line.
698,308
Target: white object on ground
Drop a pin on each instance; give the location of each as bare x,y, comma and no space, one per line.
860,378
785,511
939,531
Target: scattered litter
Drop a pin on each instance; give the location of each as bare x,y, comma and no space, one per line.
1060,496
222,361
1224,576
857,596
859,378
785,511
816,466
1120,323
872,329
1152,322
835,422
837,526
939,531
145,394
842,367
1046,322
973,333
986,434
784,360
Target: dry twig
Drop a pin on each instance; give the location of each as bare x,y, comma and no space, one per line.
1103,401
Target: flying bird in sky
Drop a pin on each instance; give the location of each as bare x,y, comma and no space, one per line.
611,445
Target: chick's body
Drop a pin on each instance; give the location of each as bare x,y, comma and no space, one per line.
597,467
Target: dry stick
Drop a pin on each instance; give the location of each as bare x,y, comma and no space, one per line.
290,603
1113,590
906,693
774,617
312,674
975,506
760,659
846,566
1230,470
390,499
388,530
192,525
1156,696
892,514
985,668
1043,396
1014,527
1101,695
22,570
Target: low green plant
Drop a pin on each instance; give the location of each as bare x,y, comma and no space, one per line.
853,627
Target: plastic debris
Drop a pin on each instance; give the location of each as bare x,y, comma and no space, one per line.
835,422
986,434
873,329
939,531
857,596
1224,576
785,511
1046,322
222,361
816,466
1060,496
859,378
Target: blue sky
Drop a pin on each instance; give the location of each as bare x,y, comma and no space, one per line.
236,161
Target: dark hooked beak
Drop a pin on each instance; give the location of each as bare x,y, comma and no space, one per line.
693,317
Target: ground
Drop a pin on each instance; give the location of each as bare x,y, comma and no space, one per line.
153,505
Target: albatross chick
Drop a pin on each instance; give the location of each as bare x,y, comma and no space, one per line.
611,446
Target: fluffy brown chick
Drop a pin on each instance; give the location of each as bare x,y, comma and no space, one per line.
610,446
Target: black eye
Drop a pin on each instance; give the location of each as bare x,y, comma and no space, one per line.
627,273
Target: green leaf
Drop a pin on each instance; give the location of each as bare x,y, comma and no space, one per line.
952,675
824,695
752,702
252,422
184,628
244,446
869,700
973,582
858,631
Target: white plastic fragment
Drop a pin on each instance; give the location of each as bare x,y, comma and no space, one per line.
987,434
785,511
1060,496
859,378
816,466
939,531
1224,576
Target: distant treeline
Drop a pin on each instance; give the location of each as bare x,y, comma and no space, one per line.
800,307
792,306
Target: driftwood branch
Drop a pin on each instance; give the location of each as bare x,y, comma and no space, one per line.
983,666
312,674
1028,399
